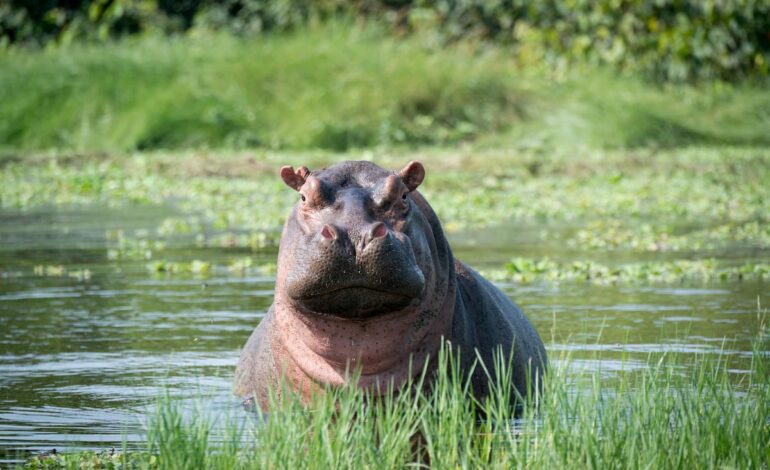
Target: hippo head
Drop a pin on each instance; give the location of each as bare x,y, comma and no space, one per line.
358,243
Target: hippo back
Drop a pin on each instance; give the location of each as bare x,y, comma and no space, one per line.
488,323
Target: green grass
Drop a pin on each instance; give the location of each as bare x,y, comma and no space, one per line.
337,87
670,414
331,88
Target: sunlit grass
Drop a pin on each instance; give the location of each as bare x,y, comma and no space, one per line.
334,88
671,414
339,86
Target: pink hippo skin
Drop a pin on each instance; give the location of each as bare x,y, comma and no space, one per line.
366,280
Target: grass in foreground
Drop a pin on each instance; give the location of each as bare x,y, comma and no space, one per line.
669,415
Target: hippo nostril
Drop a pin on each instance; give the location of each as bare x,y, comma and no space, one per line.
328,232
378,230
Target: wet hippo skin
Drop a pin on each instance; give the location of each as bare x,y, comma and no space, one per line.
366,280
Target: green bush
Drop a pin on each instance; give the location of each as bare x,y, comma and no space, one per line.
39,22
670,40
673,40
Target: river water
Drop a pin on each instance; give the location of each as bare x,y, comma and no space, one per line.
83,356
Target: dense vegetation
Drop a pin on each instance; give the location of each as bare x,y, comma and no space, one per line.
666,39
338,87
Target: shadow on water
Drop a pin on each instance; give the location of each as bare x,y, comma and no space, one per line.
83,357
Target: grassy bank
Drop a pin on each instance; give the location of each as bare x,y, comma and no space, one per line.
338,87
667,415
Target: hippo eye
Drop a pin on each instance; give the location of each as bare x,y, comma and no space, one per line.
404,197
302,196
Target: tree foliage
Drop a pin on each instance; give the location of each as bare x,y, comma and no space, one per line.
670,40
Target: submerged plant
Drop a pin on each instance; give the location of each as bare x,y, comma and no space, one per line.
544,269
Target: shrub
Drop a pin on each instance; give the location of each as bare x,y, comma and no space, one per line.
669,40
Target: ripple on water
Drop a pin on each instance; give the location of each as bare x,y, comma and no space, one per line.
682,291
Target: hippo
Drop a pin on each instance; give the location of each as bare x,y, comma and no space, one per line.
366,280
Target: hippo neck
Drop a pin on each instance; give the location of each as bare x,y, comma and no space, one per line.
383,349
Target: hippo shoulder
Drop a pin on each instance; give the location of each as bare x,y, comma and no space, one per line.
487,319
484,301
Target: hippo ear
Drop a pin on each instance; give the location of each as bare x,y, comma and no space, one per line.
293,179
412,175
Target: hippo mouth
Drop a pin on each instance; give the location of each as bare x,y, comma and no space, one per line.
358,301
386,278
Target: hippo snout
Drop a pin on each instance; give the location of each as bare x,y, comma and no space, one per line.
335,273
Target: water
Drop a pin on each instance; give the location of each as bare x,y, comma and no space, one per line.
83,358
